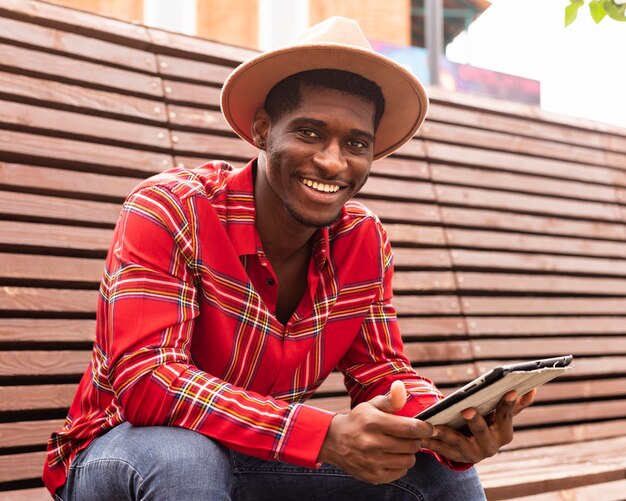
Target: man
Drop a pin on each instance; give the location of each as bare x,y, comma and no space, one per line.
228,297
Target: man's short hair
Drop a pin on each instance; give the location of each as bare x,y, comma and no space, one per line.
285,95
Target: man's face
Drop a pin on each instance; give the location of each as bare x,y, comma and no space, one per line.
319,155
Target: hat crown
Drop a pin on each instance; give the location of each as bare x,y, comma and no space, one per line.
334,30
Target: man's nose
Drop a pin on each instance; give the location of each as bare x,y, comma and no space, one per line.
331,159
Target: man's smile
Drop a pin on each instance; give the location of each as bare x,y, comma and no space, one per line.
318,186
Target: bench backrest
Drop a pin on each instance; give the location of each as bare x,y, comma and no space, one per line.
508,223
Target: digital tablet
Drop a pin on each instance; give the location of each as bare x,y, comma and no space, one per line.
486,391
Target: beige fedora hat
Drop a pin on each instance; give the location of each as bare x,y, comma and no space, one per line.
336,43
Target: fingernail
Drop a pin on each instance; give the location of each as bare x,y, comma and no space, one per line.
468,414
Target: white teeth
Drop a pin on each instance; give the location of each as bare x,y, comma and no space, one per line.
327,188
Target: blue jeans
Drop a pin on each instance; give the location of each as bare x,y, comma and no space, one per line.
164,463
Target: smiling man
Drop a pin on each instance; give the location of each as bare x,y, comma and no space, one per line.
230,295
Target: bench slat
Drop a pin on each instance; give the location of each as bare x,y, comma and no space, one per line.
55,268
43,363
93,127
21,466
533,326
44,330
491,219
443,173
542,305
27,433
77,45
53,66
18,234
63,182
97,157
36,397
47,300
608,491
77,97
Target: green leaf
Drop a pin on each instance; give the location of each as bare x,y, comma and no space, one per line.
571,11
597,10
614,11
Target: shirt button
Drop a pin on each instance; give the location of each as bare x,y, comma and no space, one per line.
270,281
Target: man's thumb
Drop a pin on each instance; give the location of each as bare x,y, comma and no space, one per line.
393,401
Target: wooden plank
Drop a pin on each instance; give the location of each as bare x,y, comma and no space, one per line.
537,262
41,207
201,118
52,268
534,243
81,98
446,112
198,47
511,142
404,189
403,212
508,282
490,199
35,494
551,468
606,491
98,157
541,347
504,161
402,167
27,465
77,45
45,330
418,327
36,397
426,305
415,281
438,351
90,127
43,363
542,306
15,234
542,225
420,235
42,64
498,180
185,92
563,390
533,326
28,433
540,437
417,235
33,299
425,258
415,148
201,71
64,182
71,19
212,146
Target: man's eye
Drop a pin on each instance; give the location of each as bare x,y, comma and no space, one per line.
358,144
309,133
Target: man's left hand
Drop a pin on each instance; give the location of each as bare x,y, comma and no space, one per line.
486,438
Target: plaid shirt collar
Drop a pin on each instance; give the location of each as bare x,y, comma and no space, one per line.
241,228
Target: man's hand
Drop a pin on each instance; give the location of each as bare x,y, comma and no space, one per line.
486,438
372,444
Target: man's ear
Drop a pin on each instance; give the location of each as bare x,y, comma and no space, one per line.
260,128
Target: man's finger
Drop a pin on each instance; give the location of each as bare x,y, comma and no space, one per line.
393,401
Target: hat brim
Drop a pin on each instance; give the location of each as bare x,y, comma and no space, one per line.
406,102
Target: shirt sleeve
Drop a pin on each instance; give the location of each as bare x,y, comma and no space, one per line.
150,298
376,358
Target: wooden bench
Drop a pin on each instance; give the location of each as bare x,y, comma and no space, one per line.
508,224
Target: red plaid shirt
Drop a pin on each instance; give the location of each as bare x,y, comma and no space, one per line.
186,334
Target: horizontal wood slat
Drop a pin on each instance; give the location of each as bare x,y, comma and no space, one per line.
27,465
36,397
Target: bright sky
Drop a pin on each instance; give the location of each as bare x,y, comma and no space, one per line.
582,68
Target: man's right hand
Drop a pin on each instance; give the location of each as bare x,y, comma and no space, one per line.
372,444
